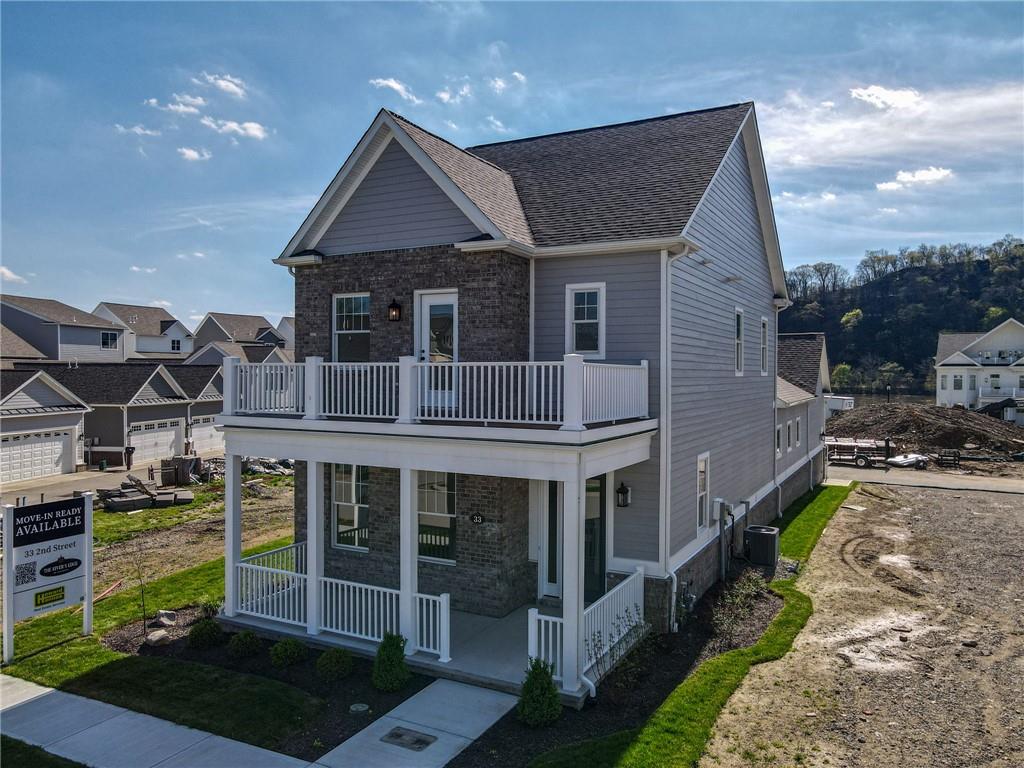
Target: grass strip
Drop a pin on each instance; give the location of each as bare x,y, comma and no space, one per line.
678,731
18,754
51,651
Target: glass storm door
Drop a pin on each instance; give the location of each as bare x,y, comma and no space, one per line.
593,541
438,344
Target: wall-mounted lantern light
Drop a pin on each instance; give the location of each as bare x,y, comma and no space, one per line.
622,495
394,311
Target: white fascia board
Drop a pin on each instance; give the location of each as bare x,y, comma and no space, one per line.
674,245
965,361
53,384
166,377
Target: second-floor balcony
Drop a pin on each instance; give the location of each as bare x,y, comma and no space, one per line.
569,394
1000,393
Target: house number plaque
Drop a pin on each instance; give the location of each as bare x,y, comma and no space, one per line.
476,518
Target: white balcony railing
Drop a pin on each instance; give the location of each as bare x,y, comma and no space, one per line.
997,393
569,394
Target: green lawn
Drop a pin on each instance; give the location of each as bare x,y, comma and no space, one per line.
18,754
678,731
50,651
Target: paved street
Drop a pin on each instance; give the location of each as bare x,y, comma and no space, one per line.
926,479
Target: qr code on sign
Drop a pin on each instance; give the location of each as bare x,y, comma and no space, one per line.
24,573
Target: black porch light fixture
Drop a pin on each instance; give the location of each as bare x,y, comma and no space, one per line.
394,311
622,495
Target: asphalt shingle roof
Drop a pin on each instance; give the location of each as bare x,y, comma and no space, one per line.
193,378
800,359
57,311
11,379
145,321
242,328
789,394
950,343
13,346
102,383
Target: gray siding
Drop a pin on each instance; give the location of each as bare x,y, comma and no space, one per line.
13,425
107,424
137,413
83,345
207,332
798,454
36,395
713,409
210,357
154,388
207,408
40,335
397,205
632,330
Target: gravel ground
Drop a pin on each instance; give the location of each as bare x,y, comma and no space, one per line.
915,653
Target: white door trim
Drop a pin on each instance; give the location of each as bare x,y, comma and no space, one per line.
548,587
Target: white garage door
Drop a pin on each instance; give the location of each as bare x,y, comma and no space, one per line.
205,438
154,440
34,454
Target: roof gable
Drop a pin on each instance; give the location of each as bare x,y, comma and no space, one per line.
159,387
239,328
29,392
53,311
143,320
13,346
195,379
1008,334
801,360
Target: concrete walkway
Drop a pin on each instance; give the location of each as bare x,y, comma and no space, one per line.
446,714
917,478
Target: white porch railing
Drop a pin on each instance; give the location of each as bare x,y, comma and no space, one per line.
358,610
521,393
544,640
270,387
367,390
270,593
433,625
614,619
289,558
613,392
1002,392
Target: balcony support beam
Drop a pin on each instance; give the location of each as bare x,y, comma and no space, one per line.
232,529
315,480
408,556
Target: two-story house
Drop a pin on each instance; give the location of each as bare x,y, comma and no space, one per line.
286,327
529,374
63,332
150,332
801,410
974,370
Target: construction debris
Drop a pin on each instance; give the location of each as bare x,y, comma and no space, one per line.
145,488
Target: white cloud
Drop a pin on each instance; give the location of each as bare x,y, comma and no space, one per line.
175,106
497,125
233,86
828,104
137,130
497,85
160,303
451,96
519,76
192,255
928,175
398,87
451,125
887,98
888,211
194,155
803,202
249,129
197,318
192,101
964,122
146,270
10,277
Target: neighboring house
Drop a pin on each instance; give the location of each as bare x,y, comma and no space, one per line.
204,386
801,409
41,427
63,332
149,331
14,348
214,352
530,375
287,330
241,329
975,370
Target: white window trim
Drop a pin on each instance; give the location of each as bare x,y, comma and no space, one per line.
764,345
778,441
797,432
103,337
175,342
706,456
602,319
739,350
789,436
334,511
454,516
942,382
334,319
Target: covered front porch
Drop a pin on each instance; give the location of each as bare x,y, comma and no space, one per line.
286,591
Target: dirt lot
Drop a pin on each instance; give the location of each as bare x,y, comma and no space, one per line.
915,653
167,550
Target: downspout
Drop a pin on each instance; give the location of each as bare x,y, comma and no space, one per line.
532,283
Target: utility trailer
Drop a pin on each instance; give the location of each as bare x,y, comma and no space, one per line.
861,453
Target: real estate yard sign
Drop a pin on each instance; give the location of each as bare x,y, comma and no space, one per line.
47,562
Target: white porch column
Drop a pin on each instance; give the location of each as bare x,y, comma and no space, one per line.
314,543
573,512
572,393
311,388
408,555
408,406
229,375
232,528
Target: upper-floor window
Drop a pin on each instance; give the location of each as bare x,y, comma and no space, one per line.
108,339
942,381
1020,381
350,506
435,504
175,345
994,379
958,381
778,439
972,382
585,319
352,328
789,435
764,346
739,341
703,466
798,431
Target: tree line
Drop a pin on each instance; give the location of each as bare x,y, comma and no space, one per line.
882,320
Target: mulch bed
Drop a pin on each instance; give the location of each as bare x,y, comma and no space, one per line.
630,694
333,725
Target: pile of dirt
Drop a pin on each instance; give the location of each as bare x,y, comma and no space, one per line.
916,427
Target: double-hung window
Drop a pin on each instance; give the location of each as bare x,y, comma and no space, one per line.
739,341
703,462
175,345
972,382
352,328
585,319
764,346
789,436
798,431
108,340
958,382
350,506
778,440
994,380
942,381
435,503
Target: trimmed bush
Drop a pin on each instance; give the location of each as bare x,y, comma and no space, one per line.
390,672
209,607
285,653
334,664
205,633
539,704
244,645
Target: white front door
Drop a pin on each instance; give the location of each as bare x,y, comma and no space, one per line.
552,537
437,343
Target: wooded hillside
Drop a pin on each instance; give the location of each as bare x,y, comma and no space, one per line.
881,323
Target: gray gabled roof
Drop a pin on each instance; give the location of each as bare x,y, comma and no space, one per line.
800,359
13,346
100,383
57,312
242,328
193,378
787,394
144,320
951,343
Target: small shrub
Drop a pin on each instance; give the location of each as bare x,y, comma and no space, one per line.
538,703
390,672
205,633
244,645
334,664
209,607
285,653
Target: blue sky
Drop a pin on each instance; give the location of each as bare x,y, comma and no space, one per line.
164,153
